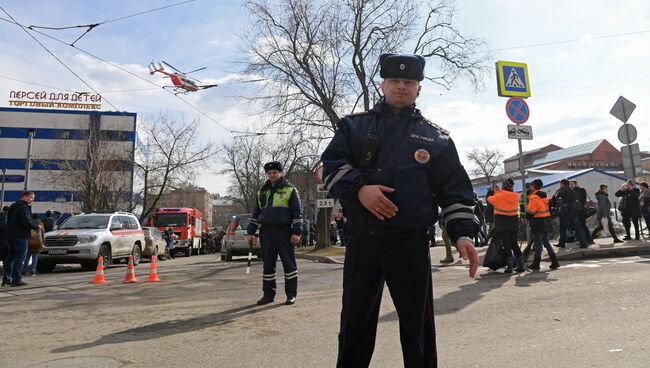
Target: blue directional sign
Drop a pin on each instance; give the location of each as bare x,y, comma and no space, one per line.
517,110
12,178
512,79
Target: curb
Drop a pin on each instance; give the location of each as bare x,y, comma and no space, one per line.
319,259
604,253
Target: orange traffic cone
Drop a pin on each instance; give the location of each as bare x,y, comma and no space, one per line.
130,273
153,271
99,274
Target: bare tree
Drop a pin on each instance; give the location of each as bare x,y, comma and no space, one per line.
244,161
486,161
171,159
320,56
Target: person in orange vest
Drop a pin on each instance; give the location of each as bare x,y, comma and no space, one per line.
506,223
539,213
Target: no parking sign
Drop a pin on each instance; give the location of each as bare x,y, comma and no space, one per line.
517,110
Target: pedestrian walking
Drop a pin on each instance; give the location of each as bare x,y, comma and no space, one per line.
506,223
278,214
340,226
34,247
539,214
385,165
169,236
48,223
582,200
17,233
603,213
644,201
629,207
569,212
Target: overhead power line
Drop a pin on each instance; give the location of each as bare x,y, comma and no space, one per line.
90,27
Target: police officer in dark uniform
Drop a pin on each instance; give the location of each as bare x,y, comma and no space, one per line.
278,215
385,166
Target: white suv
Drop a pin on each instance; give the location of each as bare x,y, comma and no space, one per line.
83,238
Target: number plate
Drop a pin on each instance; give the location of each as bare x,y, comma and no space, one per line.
58,251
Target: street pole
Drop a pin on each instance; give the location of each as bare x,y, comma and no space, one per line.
28,163
2,192
522,172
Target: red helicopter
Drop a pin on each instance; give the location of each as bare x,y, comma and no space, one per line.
182,83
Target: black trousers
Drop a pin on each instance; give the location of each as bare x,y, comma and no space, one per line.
626,224
509,239
610,227
277,241
404,264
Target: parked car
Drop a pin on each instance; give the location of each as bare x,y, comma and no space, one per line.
155,245
84,237
234,243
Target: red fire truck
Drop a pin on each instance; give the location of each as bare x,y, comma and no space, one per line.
187,224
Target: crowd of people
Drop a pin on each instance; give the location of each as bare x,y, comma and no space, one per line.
508,219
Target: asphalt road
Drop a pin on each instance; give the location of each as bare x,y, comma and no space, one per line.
203,314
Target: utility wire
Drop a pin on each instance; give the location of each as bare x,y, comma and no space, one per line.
57,59
560,42
90,27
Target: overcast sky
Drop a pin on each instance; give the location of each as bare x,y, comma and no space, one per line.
598,51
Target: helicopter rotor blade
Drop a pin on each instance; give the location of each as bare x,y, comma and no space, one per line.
196,70
164,62
208,86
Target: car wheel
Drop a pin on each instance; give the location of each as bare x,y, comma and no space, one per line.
188,251
45,267
137,254
105,251
223,257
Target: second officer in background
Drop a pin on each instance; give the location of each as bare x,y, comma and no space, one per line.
278,215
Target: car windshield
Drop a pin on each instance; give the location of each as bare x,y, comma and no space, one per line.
239,222
86,222
147,231
170,219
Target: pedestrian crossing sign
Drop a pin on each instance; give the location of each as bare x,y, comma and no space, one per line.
512,79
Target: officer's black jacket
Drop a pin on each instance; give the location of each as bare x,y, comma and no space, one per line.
415,157
271,214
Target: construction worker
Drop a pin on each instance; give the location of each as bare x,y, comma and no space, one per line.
539,214
278,214
506,223
386,165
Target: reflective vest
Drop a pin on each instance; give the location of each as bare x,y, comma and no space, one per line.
538,206
505,203
280,197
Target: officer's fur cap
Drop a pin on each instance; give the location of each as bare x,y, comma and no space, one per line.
537,183
402,66
274,165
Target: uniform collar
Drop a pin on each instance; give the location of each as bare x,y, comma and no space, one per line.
382,108
283,182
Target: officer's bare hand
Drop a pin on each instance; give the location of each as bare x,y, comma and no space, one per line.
295,239
467,251
252,240
372,197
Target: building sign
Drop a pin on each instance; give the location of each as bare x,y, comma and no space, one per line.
81,100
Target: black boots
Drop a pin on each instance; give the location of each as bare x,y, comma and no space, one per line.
535,264
554,263
508,265
521,267
266,299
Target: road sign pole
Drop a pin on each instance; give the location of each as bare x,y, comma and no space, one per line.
2,192
523,173
28,162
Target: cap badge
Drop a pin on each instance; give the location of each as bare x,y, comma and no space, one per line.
402,67
422,156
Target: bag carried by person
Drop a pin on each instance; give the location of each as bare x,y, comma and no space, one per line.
36,241
621,205
494,257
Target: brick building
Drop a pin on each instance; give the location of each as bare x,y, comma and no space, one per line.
223,208
598,154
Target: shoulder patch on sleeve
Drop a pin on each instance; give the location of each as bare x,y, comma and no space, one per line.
356,113
441,129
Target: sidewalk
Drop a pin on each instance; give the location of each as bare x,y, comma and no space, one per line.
604,248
